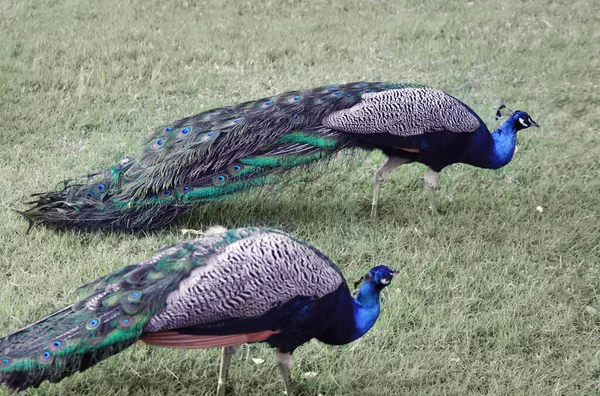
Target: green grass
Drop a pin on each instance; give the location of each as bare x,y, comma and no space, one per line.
494,297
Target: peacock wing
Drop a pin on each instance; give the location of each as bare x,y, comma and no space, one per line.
404,112
246,280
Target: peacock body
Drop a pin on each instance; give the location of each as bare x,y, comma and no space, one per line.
223,151
223,290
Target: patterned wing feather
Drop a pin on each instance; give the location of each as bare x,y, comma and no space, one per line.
246,280
404,112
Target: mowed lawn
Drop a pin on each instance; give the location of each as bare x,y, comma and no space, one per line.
497,295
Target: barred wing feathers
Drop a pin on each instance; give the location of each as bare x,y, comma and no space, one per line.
404,112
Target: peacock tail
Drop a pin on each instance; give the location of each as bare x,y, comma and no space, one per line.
112,315
203,158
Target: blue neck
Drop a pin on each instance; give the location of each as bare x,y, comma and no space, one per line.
493,151
352,317
366,308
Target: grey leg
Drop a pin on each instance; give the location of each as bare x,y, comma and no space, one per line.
431,178
226,355
380,175
285,363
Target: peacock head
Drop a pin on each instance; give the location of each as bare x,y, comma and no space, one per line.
380,276
521,119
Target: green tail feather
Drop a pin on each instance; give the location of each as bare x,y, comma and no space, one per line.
67,341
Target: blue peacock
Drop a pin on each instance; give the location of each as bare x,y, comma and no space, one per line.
227,288
224,151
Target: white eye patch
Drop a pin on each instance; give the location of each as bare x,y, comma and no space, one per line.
385,281
522,121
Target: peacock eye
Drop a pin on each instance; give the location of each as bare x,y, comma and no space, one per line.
135,295
125,321
45,357
219,179
158,143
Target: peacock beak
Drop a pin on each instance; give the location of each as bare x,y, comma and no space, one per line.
535,124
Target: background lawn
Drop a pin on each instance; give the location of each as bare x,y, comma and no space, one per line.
495,297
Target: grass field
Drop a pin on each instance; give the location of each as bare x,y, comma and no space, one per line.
495,297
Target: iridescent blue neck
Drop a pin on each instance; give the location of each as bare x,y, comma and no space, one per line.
366,309
352,317
493,151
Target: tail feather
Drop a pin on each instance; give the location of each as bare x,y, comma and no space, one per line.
65,342
118,206
203,158
110,318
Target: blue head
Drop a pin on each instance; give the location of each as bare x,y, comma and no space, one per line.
518,118
379,277
523,120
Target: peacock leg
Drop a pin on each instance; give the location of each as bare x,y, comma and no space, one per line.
431,178
380,175
226,355
285,363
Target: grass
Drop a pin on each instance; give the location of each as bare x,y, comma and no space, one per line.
494,297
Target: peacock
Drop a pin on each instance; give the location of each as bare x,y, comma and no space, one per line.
224,289
221,152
